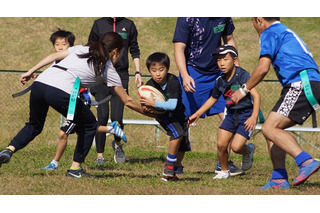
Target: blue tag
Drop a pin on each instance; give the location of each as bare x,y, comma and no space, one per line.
73,99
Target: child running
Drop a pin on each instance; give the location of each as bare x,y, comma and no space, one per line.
92,64
173,120
62,40
240,120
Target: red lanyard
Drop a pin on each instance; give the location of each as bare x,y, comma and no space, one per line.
114,24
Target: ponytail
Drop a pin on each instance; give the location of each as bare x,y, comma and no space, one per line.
99,51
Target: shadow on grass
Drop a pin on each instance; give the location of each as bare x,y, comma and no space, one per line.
145,160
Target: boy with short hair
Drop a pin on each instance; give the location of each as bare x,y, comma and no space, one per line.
240,120
173,120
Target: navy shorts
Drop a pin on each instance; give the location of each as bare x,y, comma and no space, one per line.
204,86
234,122
176,128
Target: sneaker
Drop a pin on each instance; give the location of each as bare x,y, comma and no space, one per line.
80,173
222,175
117,131
100,162
167,178
168,172
305,171
119,156
179,170
277,184
5,156
168,169
247,160
232,168
51,166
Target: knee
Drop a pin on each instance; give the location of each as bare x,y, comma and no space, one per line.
265,129
236,148
222,147
63,135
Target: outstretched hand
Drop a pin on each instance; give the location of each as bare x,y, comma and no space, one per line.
26,77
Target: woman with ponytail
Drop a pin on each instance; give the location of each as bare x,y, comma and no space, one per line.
92,64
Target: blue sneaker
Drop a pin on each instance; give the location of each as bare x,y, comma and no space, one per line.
5,156
51,166
277,184
117,131
305,171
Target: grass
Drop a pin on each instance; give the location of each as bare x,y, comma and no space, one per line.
22,47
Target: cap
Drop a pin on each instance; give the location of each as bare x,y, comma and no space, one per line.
224,49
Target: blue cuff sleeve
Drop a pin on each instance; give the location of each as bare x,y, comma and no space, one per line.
170,105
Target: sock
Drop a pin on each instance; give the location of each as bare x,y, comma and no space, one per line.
110,129
302,157
279,174
10,149
56,163
171,158
75,168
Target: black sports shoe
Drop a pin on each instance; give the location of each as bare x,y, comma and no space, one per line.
5,156
80,173
168,172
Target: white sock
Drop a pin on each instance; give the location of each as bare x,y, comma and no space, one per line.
110,129
56,163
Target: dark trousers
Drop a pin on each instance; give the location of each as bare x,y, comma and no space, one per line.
42,96
100,92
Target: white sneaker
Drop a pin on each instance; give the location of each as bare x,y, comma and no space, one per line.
247,160
222,175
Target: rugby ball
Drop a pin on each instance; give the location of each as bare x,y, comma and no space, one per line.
146,91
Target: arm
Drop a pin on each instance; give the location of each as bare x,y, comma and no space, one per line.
205,107
256,77
251,122
188,82
47,60
127,100
170,104
138,78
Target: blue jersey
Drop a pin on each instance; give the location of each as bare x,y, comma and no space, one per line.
289,54
202,36
227,88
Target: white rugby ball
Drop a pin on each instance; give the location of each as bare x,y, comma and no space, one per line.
146,91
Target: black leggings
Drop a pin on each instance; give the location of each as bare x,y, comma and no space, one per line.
100,92
42,96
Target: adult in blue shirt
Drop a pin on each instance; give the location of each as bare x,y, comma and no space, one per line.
299,76
195,38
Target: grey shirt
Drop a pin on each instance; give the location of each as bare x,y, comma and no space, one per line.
78,67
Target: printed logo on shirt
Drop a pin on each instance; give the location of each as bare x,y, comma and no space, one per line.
123,35
235,87
124,29
219,28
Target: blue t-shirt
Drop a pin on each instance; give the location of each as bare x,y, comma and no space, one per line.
289,54
202,36
227,88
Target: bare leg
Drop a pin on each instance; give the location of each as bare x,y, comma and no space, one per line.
62,144
224,138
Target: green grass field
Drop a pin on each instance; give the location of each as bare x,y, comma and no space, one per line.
22,47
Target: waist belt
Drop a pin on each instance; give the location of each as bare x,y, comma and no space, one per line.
73,95
307,90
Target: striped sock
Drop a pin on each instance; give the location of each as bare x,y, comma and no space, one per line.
171,158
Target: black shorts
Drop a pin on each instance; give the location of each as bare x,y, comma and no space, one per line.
68,127
176,128
294,104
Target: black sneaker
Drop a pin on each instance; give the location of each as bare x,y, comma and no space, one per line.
5,156
168,171
80,173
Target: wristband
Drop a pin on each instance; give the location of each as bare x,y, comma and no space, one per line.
242,92
137,72
244,88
